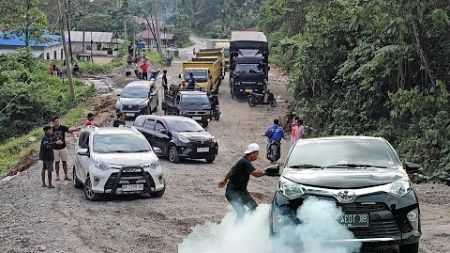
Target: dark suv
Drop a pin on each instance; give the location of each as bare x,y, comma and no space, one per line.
137,98
364,177
177,137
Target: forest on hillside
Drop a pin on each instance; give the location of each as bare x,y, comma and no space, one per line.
369,67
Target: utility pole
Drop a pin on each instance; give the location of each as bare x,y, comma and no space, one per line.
158,34
66,52
69,13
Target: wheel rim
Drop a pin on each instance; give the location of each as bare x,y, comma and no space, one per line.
89,192
172,154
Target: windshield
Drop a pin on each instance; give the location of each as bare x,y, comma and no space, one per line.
226,53
346,151
184,126
120,143
135,92
248,68
199,74
198,100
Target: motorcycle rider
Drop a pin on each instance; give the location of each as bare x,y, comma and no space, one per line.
274,135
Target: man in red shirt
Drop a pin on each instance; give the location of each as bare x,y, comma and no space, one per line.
144,68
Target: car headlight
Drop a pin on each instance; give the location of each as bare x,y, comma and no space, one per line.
290,189
400,187
413,217
213,139
102,166
143,105
119,105
183,139
152,166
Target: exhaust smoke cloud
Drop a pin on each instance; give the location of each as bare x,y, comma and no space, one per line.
318,233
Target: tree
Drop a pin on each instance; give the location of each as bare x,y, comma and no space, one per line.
23,18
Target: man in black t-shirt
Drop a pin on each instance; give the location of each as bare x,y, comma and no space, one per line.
120,121
60,150
237,179
46,155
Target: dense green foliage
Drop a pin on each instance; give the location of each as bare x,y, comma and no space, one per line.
369,67
30,96
215,19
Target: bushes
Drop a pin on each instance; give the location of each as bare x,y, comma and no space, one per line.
30,96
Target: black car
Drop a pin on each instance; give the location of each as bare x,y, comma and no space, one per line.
192,104
177,137
364,177
137,98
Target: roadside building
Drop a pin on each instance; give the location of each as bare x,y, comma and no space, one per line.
147,36
97,43
48,47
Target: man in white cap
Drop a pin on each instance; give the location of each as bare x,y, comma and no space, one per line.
237,179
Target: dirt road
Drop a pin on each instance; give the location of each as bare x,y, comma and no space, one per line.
34,219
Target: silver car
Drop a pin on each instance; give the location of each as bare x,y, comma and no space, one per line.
116,161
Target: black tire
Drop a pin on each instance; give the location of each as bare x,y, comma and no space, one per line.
252,101
210,159
273,103
410,248
217,116
149,109
76,183
88,193
172,154
158,194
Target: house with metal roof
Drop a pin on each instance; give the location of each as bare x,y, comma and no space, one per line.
48,47
97,43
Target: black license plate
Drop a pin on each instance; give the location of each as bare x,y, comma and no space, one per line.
355,220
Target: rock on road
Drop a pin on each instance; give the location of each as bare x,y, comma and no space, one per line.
34,219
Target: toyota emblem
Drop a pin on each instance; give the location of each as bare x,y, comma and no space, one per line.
346,196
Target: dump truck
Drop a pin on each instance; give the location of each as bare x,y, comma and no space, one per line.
207,73
249,59
221,44
212,53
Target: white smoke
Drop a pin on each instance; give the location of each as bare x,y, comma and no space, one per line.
319,228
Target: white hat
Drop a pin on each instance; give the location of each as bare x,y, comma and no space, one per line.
252,148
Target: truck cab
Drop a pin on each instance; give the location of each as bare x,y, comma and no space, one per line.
192,104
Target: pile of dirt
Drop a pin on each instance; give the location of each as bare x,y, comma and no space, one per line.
31,158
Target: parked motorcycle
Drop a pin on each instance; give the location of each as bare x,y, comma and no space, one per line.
266,98
273,151
215,106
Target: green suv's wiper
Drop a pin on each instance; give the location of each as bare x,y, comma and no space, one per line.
305,166
354,165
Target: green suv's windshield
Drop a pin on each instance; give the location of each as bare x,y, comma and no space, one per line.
342,153
120,143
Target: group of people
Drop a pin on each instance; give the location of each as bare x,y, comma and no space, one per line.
53,150
143,71
236,180
55,71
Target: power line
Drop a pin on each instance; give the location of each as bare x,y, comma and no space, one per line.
9,103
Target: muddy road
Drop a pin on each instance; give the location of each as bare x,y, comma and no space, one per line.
34,219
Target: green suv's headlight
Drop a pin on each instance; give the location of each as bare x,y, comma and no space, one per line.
400,187
290,189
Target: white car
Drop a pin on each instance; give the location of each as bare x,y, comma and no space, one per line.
116,161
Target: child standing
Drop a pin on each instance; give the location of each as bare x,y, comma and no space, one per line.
46,155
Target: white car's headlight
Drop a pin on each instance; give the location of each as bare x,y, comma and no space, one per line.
102,166
290,189
213,139
400,187
183,139
119,105
152,166
143,105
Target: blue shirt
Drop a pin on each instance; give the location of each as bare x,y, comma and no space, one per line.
275,133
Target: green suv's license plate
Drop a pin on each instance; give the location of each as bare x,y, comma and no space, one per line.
355,220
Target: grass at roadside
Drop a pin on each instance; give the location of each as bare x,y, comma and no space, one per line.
154,57
11,152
